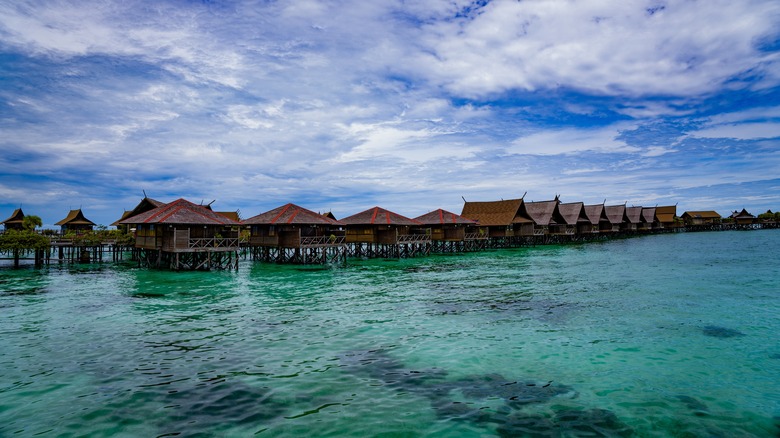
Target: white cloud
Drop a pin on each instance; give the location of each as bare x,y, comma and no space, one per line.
741,131
571,141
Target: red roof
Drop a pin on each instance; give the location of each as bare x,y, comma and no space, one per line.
378,216
290,214
180,211
443,217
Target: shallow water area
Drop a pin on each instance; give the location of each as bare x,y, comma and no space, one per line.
667,335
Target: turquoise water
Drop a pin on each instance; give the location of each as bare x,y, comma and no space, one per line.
669,335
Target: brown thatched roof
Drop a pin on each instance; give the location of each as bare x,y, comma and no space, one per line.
16,218
330,215
742,215
615,213
705,214
233,215
648,214
443,217
666,214
181,212
634,215
541,212
290,214
75,217
595,213
145,205
378,216
494,213
572,213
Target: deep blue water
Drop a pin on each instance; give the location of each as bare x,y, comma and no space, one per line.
668,335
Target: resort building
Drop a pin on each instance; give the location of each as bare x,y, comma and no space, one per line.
596,216
145,205
633,219
500,219
75,221
448,231
15,222
649,221
543,214
708,217
183,235
575,220
667,216
743,217
293,234
616,216
377,232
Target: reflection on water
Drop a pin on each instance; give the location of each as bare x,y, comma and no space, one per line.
642,337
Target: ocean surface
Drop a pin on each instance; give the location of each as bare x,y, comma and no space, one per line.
656,336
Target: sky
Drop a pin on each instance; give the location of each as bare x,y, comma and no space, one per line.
411,105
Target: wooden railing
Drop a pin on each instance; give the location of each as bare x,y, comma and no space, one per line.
413,238
211,242
322,240
476,236
539,231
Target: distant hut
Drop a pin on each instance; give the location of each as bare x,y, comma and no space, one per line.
293,234
704,217
596,216
633,219
145,205
232,215
15,222
448,230
499,219
377,232
542,214
649,221
666,216
573,217
743,217
616,214
330,215
183,235
75,221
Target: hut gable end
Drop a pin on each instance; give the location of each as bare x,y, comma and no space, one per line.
290,214
495,213
181,212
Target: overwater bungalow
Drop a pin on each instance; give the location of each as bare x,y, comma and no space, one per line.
649,221
596,216
616,215
543,214
574,219
706,217
666,216
499,219
633,219
75,221
377,232
293,234
743,217
448,231
183,235
15,222
145,205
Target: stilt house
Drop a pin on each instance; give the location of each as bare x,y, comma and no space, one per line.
648,219
666,216
544,214
499,218
707,217
377,232
616,214
75,221
575,220
15,222
596,216
184,235
293,234
743,217
633,218
445,226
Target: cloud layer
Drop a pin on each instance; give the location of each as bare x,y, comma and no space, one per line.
409,105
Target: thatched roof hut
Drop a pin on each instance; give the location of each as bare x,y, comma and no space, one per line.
634,217
75,221
574,218
377,225
648,218
743,217
291,226
182,225
616,214
703,217
501,218
597,216
16,221
445,226
543,214
665,215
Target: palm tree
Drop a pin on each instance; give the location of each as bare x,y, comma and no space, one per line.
31,222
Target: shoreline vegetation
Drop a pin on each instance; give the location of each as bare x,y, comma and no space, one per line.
183,235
